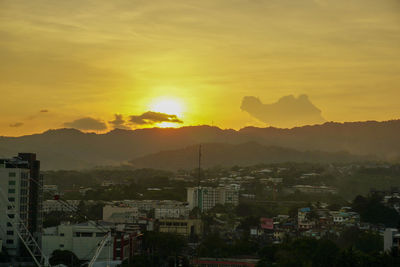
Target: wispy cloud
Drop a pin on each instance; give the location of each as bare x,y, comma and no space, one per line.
17,124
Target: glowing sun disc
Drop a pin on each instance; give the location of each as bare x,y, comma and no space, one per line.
168,106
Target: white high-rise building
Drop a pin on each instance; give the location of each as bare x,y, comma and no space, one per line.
20,199
206,198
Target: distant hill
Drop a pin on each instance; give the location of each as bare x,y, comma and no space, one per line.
217,154
72,149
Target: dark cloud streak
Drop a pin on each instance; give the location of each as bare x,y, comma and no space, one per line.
119,122
151,117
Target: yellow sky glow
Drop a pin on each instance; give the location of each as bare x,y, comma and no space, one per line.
195,59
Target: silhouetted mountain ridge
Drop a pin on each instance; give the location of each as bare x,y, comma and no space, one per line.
245,154
73,149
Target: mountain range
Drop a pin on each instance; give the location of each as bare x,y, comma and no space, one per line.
73,149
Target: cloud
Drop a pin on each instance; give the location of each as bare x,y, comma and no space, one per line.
288,111
44,110
17,124
87,124
119,122
151,117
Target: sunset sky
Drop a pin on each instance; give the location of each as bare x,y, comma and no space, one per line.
78,63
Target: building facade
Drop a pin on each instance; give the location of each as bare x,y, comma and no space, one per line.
185,227
52,205
83,240
21,197
391,239
121,214
206,198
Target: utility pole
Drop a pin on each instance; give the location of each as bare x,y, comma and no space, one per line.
199,171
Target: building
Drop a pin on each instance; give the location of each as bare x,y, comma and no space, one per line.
121,213
52,205
171,211
83,239
206,198
185,227
342,217
303,222
391,239
51,188
158,209
21,197
315,189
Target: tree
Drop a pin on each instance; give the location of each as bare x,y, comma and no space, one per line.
65,257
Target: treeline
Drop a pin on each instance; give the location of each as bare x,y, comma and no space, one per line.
67,180
327,253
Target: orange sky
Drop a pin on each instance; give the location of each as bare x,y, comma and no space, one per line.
77,59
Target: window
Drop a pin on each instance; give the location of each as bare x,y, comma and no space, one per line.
11,190
9,224
11,216
61,234
12,174
10,241
11,199
61,245
10,232
86,234
12,182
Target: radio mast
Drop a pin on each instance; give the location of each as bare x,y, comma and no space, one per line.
199,170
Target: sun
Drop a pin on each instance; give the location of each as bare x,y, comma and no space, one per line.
169,106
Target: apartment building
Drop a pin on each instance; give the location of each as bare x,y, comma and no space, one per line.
206,198
21,197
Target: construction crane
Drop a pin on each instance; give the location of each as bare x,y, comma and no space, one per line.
71,208
24,234
103,242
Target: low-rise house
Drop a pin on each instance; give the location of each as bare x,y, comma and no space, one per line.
340,217
391,239
303,220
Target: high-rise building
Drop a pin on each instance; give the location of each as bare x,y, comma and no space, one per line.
206,198
21,197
